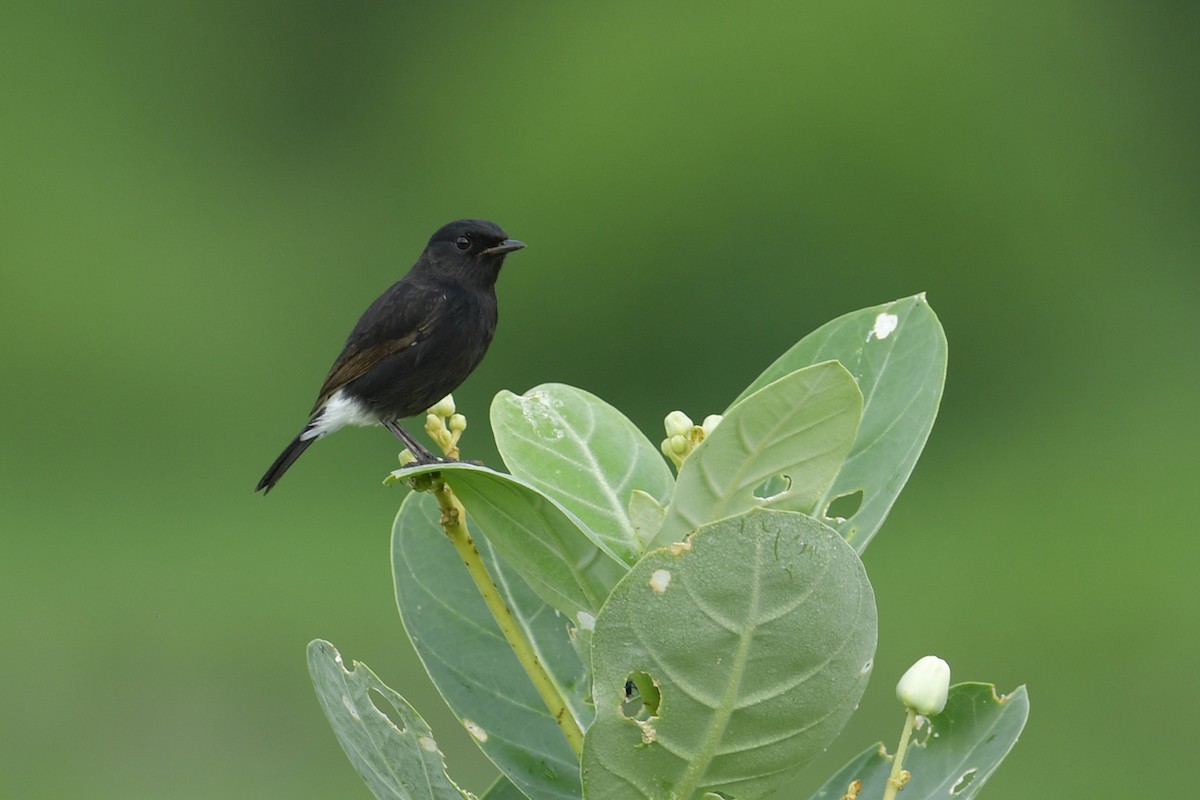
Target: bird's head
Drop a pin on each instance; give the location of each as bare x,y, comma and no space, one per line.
470,251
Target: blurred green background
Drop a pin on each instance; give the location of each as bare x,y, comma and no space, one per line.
197,200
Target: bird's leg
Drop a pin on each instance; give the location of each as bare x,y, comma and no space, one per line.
416,448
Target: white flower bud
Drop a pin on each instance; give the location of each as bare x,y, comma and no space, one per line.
679,445
458,422
406,457
925,686
433,423
666,448
710,423
677,423
444,407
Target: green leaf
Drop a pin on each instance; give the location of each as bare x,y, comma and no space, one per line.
555,553
951,755
647,516
757,633
473,666
585,454
799,427
503,789
901,375
399,760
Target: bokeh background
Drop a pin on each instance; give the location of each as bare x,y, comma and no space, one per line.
197,200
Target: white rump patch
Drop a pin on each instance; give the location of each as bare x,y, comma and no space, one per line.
338,412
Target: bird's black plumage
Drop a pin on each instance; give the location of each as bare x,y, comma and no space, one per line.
416,343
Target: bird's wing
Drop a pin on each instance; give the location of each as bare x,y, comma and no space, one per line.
400,318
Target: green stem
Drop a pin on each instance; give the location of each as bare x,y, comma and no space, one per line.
454,523
894,780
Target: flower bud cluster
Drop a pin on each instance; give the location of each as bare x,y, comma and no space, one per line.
445,426
683,435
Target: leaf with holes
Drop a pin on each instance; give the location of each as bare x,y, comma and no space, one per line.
951,755
473,666
398,760
756,636
796,430
897,352
579,450
555,553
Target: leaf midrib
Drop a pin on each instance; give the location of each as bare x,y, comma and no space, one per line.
589,463
716,729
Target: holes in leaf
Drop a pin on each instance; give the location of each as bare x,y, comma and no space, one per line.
963,781
385,707
772,487
641,697
844,506
922,733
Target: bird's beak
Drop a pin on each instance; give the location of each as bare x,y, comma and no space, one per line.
507,246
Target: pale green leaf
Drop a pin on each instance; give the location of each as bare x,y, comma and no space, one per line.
503,789
951,755
897,352
647,516
473,666
392,749
796,430
555,553
585,454
757,634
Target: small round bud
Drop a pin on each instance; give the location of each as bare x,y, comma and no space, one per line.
444,407
710,423
458,422
433,422
679,445
924,687
677,423
406,457
666,447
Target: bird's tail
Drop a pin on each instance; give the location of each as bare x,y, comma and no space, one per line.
285,460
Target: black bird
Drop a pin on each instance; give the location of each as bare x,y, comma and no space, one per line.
415,344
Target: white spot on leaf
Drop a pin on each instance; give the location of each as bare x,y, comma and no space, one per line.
350,708
479,733
586,621
427,744
540,412
660,579
885,324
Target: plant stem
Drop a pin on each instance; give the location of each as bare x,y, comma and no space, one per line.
454,523
894,782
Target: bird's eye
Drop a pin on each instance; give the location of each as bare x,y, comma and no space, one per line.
462,243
